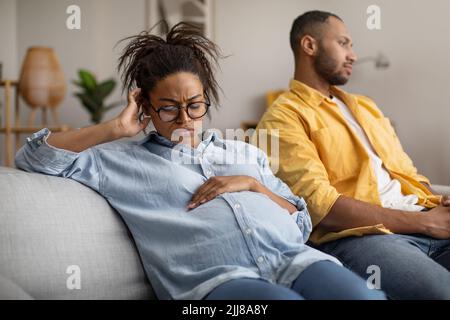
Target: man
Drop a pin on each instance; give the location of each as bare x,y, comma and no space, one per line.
340,153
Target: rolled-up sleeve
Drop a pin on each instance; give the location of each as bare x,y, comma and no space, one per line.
274,184
38,156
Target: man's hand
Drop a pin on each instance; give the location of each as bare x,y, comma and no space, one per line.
445,201
436,222
221,184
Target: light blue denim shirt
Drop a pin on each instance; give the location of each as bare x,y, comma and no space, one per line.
187,253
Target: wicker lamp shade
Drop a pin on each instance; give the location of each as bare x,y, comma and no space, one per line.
42,83
42,86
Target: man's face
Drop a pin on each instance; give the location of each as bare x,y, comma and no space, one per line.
335,56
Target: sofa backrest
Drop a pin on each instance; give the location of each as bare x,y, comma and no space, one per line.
62,240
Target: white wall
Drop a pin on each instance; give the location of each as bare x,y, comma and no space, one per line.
414,36
8,36
103,23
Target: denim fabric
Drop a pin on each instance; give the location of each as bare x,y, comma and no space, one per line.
322,280
411,266
188,253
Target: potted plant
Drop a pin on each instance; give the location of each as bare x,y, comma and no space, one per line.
93,94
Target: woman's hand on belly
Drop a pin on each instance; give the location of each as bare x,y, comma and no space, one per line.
220,184
215,186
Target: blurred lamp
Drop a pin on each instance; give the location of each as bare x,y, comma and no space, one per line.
380,61
42,83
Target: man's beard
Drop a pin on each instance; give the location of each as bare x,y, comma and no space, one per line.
326,66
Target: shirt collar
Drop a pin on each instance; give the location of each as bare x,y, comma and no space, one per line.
312,96
208,136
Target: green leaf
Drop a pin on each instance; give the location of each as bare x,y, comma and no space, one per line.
105,88
78,84
90,104
95,96
87,80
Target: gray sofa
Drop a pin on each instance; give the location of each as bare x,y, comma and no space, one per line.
62,240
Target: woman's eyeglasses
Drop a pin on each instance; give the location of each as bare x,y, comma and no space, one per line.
194,110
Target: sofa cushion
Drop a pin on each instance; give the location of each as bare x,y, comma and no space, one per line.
11,291
62,240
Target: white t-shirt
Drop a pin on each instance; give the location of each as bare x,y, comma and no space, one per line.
389,189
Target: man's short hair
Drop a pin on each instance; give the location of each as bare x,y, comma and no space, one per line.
308,24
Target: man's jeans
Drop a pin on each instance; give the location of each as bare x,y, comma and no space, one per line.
411,266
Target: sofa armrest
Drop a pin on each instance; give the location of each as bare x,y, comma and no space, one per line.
441,190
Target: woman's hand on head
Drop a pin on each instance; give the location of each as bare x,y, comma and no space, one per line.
128,124
220,184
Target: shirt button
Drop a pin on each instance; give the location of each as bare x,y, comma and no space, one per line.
248,231
209,172
260,259
237,206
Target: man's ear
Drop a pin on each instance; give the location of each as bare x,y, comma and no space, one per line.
309,45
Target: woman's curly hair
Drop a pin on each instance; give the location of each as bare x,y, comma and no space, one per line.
148,58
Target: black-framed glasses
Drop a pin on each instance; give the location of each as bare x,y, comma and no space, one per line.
194,110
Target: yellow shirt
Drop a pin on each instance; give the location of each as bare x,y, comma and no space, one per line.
321,157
